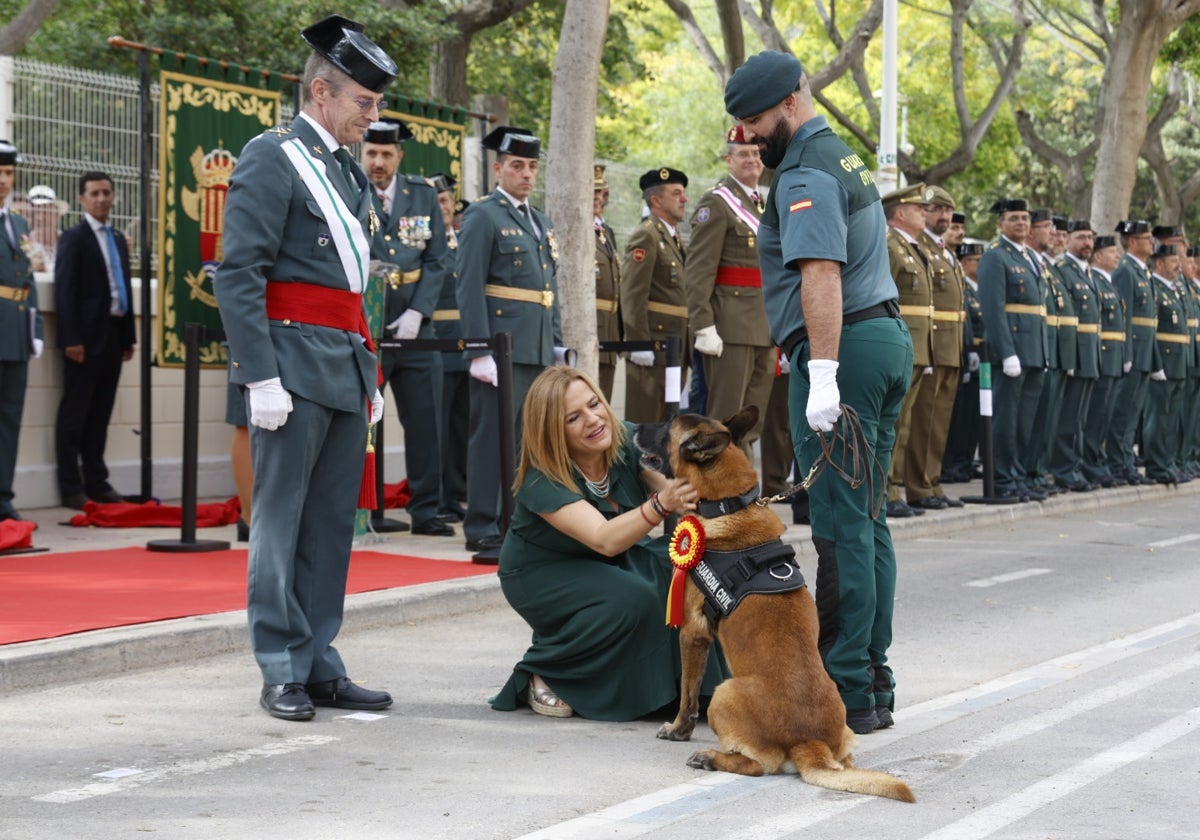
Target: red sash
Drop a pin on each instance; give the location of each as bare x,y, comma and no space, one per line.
736,275
308,303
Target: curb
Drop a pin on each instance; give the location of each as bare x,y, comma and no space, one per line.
27,666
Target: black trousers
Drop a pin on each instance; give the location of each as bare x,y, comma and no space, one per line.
81,432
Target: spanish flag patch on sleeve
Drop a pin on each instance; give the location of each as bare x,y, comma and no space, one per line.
802,204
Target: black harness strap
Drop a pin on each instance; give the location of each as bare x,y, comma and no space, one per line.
711,509
726,577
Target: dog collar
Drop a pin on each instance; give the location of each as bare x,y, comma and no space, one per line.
711,509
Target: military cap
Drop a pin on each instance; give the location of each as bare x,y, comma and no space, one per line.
343,43
941,198
1078,224
958,218
1164,251
1166,231
9,156
599,182
761,83
442,182
518,142
970,249
42,195
387,132
912,194
1008,205
1103,242
737,135
1041,214
461,205
1060,222
1193,251
658,177
1131,227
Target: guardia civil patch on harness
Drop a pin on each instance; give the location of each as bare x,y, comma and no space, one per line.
802,204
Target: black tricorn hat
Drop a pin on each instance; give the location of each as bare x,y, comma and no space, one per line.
461,205
9,156
1006,205
1193,251
1130,227
387,131
1039,215
1166,231
1078,224
1164,251
1104,242
970,249
342,41
519,142
443,182
658,177
958,219
1060,222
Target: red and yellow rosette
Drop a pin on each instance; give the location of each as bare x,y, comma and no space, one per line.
685,550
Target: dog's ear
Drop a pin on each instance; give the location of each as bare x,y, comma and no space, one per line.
742,422
702,444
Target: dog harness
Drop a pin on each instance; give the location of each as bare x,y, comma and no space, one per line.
726,577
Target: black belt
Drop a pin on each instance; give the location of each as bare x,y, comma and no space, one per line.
887,309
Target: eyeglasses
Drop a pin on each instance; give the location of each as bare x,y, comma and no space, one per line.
366,103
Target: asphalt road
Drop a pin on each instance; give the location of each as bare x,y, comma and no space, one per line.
1048,680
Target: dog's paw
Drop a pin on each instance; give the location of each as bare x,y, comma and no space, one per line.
671,732
702,760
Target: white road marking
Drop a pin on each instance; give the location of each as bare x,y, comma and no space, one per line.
987,821
182,768
1007,577
1180,540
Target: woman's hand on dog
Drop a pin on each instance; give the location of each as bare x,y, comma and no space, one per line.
678,495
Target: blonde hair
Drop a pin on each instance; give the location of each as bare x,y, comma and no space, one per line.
544,437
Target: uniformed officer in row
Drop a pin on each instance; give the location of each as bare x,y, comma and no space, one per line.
1173,235
724,290
1013,298
653,293
507,263
1191,412
958,464
608,281
1163,418
1115,362
910,266
456,394
410,248
20,334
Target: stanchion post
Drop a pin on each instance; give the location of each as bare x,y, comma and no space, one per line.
502,349
674,375
379,522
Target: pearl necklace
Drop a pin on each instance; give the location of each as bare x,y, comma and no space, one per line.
599,489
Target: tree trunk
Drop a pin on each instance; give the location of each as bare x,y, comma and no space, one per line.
569,171
448,71
15,33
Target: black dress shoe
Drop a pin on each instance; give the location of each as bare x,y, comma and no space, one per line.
432,528
862,721
1034,495
955,503
928,503
107,497
900,510
450,516
288,701
1012,494
344,694
75,501
485,543
885,717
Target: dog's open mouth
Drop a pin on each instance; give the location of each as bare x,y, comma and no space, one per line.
650,461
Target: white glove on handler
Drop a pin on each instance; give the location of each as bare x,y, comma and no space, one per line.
972,362
1070,371
377,406
564,356
928,371
270,404
642,358
1011,366
407,325
1159,376
1126,367
824,399
38,347
483,368
708,342
785,367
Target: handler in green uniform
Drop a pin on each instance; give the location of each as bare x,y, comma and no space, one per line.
1114,363
832,307
580,566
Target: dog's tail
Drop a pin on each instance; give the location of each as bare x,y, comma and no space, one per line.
818,767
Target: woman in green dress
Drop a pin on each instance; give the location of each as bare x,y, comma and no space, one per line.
579,565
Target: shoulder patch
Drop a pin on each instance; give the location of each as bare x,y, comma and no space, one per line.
802,204
639,254
702,215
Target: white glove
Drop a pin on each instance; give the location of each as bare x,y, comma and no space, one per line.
708,342
565,356
824,399
406,326
785,367
1011,366
1159,376
1126,367
1070,371
966,377
972,362
927,371
483,368
38,347
270,404
642,358
377,406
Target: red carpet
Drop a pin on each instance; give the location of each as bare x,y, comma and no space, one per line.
47,595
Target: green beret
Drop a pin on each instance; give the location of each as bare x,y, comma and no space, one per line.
761,83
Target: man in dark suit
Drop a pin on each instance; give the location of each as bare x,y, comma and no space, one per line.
94,300
298,221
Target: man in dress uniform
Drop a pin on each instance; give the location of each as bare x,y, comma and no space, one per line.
963,440
298,222
507,259
653,296
1115,362
608,281
1013,300
1173,235
724,290
933,408
456,393
909,263
832,307
410,251
1066,456
20,325
1162,427
1132,279
1191,412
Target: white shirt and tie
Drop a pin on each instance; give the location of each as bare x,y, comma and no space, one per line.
112,262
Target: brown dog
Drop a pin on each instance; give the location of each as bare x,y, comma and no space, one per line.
779,705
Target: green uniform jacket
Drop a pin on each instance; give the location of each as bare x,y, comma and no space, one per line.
910,271
652,271
1172,326
16,344
1086,303
498,246
1006,278
946,288
721,239
1114,338
446,321
1192,294
1132,280
411,239
974,333
1060,321
608,289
